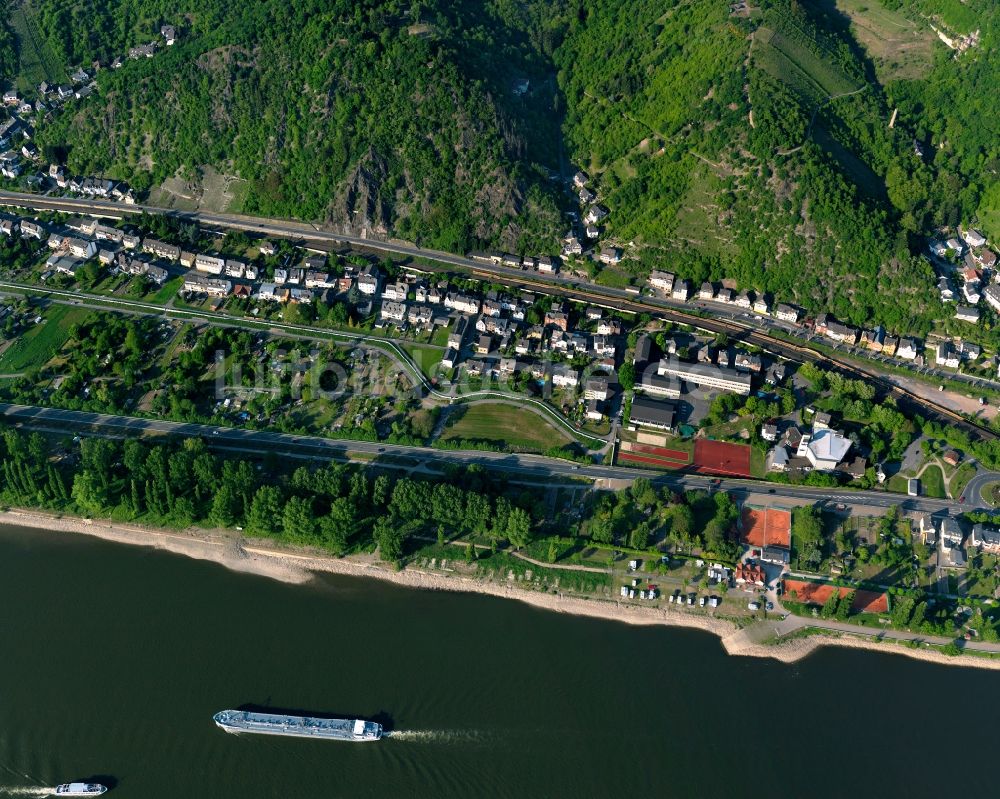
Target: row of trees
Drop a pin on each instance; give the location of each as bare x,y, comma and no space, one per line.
336,507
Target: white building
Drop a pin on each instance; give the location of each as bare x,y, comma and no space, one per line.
210,264
661,281
824,449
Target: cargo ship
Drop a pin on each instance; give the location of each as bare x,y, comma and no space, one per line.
239,721
80,789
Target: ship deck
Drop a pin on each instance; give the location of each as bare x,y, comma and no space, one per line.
277,724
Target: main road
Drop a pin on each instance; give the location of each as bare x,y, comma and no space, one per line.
909,402
536,466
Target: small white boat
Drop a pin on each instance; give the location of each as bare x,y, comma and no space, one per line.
80,789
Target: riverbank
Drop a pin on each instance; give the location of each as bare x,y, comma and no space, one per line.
298,567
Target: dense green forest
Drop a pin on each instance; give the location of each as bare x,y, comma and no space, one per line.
754,145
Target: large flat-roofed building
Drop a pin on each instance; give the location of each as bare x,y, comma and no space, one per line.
659,385
652,413
706,375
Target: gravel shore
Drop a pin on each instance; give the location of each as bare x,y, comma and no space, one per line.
295,567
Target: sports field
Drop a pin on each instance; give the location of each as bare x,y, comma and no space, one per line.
767,527
650,455
722,458
501,423
819,593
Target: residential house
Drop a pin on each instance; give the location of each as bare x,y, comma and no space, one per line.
603,347
725,295
992,295
927,529
565,377
596,214
234,268
392,311
761,306
169,34
970,351
596,388
491,308
161,249
609,327
271,292
873,339
581,179
985,258
420,316
395,291
556,317
267,248
967,313
681,290
586,196
828,326
769,432
9,227
610,255
592,232
462,303
320,280
889,344
197,284
909,349
776,374
945,355
706,292
81,248
547,266
744,360
32,230
661,281
211,264
974,238
985,538
787,313
950,533
572,246
458,333
595,410
369,280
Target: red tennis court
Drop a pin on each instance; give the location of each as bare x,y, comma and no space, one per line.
721,457
818,593
661,452
645,459
767,527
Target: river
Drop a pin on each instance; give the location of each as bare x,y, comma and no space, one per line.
114,658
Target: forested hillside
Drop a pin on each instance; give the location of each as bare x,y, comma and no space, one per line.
356,113
750,142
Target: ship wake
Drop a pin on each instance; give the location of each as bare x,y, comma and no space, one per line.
26,790
437,736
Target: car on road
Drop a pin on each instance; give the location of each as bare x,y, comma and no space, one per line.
769,606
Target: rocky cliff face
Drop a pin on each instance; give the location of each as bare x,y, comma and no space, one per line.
360,207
